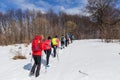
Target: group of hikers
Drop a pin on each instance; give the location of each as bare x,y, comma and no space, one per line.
39,45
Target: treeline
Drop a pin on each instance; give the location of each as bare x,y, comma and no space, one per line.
18,26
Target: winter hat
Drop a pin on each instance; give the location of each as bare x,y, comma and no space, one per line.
56,36
38,37
49,37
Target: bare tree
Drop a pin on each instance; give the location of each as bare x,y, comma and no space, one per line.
103,13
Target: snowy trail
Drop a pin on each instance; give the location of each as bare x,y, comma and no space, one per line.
98,61
66,67
81,60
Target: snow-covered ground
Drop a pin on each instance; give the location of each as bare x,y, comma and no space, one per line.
81,60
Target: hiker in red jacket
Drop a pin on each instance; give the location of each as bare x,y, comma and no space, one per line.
47,50
37,47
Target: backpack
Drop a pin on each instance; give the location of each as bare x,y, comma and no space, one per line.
54,41
62,39
36,45
47,44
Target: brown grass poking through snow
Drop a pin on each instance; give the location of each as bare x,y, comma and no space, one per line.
18,57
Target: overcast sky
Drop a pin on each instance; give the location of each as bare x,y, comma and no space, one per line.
69,6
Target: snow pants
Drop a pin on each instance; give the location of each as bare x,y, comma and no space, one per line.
62,44
37,64
47,52
54,50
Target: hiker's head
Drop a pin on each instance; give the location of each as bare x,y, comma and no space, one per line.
49,37
56,36
38,37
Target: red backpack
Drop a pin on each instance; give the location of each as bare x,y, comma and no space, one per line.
47,44
36,44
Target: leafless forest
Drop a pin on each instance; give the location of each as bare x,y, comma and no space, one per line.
103,22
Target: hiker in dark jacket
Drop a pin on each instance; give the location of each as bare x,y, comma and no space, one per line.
62,41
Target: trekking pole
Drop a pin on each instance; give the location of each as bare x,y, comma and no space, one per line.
44,62
57,54
31,59
83,73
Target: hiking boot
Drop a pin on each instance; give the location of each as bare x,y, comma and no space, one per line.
31,74
37,72
48,65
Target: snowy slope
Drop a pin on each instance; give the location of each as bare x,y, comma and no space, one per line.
81,60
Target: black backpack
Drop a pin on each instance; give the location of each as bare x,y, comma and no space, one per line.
62,38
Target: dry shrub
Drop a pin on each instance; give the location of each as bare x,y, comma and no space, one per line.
18,57
26,44
14,45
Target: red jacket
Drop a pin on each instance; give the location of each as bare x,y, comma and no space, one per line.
47,44
38,39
